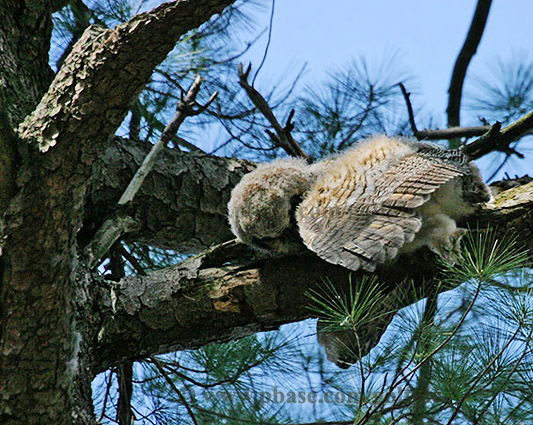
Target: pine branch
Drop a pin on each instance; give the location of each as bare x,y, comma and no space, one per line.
215,298
172,385
113,228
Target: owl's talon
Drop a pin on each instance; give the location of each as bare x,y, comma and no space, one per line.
449,248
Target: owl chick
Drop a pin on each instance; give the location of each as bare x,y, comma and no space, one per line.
365,206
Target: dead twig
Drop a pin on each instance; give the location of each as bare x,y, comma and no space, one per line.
108,233
185,109
439,134
113,228
406,96
281,136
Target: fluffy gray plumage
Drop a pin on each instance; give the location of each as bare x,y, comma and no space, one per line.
365,206
361,208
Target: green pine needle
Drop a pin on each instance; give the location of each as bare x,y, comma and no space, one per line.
360,304
485,254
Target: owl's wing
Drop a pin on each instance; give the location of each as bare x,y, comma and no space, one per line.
367,225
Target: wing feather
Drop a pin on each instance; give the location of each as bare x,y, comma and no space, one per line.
374,214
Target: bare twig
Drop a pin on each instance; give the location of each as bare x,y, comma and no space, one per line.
281,136
492,137
406,96
499,168
113,228
154,123
439,134
452,133
185,109
496,140
463,60
268,41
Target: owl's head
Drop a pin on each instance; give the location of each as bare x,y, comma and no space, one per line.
262,204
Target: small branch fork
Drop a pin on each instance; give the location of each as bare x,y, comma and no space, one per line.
499,140
281,136
114,227
491,137
185,109
440,134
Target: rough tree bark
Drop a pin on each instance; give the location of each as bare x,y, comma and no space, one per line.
206,300
59,323
46,298
181,204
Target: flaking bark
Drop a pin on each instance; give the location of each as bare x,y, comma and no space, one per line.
198,302
46,297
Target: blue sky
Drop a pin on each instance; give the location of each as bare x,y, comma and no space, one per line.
427,35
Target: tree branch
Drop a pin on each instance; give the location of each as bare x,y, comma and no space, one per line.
185,109
114,227
282,136
439,134
154,123
499,140
492,139
182,205
452,133
468,50
205,300
101,78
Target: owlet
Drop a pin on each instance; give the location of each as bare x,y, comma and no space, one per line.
365,206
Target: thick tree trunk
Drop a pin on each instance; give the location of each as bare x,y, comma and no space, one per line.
45,296
43,341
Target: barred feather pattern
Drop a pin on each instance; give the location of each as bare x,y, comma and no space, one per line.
364,206
383,193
